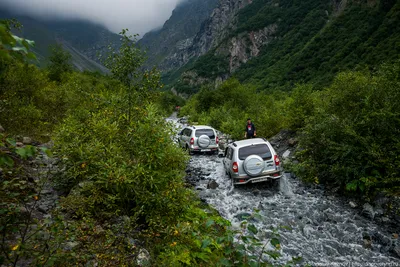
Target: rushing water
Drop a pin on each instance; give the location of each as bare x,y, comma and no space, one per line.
321,229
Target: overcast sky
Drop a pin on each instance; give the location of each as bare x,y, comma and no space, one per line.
140,16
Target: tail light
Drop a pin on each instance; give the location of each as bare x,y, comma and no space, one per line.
216,140
276,159
192,141
235,167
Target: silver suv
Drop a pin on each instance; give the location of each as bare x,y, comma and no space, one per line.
199,139
251,161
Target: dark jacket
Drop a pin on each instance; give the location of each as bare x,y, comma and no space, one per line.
250,129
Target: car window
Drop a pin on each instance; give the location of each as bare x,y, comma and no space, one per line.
187,132
261,150
230,153
208,132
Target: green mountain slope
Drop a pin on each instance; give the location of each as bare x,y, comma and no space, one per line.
304,41
84,40
319,46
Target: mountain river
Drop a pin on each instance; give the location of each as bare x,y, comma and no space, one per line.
323,230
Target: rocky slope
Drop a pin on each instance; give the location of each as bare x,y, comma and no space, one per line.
275,44
177,34
215,29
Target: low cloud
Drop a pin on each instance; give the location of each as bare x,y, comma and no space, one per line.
139,16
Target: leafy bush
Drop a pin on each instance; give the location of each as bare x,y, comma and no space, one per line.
228,107
352,140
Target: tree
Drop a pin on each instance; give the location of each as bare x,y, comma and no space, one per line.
125,65
12,46
60,63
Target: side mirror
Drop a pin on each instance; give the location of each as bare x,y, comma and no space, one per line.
181,132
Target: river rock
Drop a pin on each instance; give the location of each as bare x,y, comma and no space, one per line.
27,140
212,184
353,204
368,211
292,141
286,154
367,243
383,240
381,200
19,144
396,250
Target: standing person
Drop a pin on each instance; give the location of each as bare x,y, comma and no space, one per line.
250,130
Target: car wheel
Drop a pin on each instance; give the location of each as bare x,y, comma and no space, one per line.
189,151
230,177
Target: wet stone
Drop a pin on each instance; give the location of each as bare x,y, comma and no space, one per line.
368,211
212,185
367,243
353,204
396,250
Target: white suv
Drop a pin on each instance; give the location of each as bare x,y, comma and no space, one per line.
199,139
251,161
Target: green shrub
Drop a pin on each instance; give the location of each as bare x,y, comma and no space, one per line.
352,140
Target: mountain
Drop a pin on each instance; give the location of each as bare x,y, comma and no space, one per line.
82,39
162,45
274,44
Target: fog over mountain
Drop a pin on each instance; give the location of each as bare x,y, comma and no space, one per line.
139,16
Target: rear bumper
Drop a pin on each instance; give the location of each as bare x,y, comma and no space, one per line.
258,179
199,149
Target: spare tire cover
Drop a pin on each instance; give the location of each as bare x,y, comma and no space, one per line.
203,141
253,165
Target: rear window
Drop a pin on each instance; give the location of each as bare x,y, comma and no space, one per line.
261,150
208,132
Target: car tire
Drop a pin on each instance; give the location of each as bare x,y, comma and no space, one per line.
230,177
189,151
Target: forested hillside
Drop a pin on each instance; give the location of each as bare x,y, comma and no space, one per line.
82,39
278,43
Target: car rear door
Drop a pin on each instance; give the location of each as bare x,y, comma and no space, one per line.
228,158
